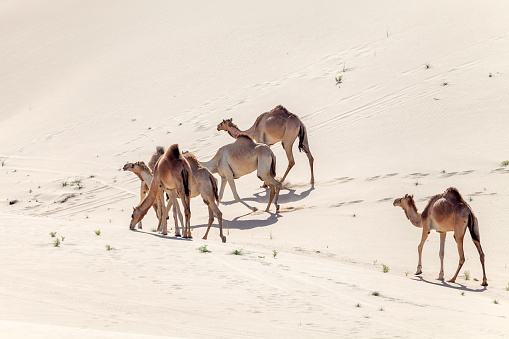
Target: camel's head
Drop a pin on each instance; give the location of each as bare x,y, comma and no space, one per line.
135,217
137,167
129,167
225,125
406,201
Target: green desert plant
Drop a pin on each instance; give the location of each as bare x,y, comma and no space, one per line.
97,232
490,75
109,248
495,301
56,243
62,237
358,305
407,273
53,234
237,252
505,163
427,65
154,230
466,274
3,163
64,183
381,309
462,293
274,253
507,288
339,79
445,83
385,268
204,249
376,293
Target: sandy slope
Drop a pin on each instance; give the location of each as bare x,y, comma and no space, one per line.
86,87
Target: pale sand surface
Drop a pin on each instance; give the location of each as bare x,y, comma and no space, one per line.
87,86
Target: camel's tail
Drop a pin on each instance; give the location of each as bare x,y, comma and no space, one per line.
185,180
153,160
273,166
473,227
303,139
213,181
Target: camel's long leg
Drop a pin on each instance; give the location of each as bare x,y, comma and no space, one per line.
186,202
289,154
419,249
272,191
311,161
441,255
163,221
459,242
221,191
231,182
159,210
214,210
277,187
476,238
211,220
176,210
481,256
143,194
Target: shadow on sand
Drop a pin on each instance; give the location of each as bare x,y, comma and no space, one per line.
456,285
283,196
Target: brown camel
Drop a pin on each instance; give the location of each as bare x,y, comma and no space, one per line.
171,172
275,126
243,157
444,213
145,174
204,184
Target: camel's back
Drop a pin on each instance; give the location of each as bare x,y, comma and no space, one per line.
275,123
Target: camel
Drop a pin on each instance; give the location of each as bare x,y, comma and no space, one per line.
203,183
242,157
171,172
444,213
272,127
145,174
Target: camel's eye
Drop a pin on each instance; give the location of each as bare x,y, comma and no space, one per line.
132,216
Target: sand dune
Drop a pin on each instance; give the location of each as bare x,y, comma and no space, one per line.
87,87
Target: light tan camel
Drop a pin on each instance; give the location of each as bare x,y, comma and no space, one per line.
275,126
243,157
204,184
444,213
145,174
171,172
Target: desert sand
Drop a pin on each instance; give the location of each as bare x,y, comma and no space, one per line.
422,106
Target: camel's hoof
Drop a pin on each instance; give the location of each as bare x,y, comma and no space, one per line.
164,233
484,283
452,280
178,235
255,209
224,240
441,278
418,272
267,209
204,237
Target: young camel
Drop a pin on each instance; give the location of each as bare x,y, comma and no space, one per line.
172,172
145,175
243,157
272,127
444,213
204,184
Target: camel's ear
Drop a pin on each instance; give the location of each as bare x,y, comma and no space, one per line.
412,196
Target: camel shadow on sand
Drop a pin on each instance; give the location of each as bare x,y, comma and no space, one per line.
239,224
284,197
456,285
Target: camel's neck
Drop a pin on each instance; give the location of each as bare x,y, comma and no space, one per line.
235,132
145,177
144,206
414,216
213,164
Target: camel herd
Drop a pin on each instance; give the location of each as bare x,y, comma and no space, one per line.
182,175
